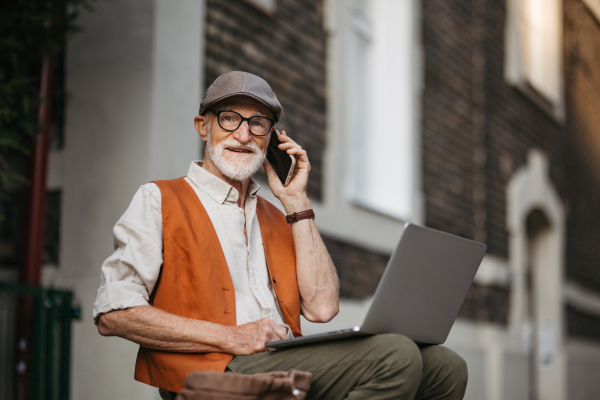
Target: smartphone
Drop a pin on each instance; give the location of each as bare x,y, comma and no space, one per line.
282,162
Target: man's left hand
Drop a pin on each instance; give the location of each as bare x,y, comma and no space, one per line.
293,196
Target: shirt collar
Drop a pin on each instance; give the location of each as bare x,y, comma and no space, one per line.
214,186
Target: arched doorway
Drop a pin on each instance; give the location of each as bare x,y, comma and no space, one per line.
535,222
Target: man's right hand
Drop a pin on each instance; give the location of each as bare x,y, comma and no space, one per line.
250,338
157,329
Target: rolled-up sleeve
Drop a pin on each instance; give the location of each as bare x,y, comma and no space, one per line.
128,276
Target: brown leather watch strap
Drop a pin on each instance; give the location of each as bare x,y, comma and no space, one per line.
297,216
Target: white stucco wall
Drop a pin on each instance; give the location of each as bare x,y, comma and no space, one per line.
134,77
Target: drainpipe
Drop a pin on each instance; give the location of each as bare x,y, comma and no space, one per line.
34,239
31,268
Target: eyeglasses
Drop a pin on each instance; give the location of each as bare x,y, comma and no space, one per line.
230,121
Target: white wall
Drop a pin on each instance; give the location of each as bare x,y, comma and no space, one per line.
134,76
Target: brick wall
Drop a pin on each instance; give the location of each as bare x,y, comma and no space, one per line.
287,49
477,130
359,269
486,304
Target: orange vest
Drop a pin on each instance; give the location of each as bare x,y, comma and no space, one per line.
194,281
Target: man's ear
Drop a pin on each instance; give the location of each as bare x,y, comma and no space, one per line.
200,122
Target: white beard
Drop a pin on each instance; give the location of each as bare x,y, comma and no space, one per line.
235,167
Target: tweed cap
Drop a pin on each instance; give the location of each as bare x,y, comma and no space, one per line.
238,83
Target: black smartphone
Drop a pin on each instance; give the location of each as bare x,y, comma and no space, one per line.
280,160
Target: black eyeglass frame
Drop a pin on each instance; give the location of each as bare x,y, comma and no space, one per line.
219,112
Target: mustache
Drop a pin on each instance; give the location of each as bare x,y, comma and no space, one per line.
234,143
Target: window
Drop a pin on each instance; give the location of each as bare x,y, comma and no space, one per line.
380,110
534,52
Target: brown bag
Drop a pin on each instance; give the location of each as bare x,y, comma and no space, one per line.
280,385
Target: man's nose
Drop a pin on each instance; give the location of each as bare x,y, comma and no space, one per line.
242,134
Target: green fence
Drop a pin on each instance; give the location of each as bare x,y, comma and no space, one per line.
43,318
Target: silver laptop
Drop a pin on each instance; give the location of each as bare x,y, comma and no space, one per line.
421,290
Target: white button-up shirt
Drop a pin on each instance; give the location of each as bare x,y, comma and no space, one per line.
128,276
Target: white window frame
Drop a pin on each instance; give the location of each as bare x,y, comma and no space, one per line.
380,106
341,214
533,53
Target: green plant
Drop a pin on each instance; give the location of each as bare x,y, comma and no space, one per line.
30,30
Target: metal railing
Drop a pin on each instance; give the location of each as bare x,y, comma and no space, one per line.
35,342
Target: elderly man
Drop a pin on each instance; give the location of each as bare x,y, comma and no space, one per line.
205,271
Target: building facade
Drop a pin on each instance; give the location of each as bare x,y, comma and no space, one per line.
479,118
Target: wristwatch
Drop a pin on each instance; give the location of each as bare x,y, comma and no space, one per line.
297,216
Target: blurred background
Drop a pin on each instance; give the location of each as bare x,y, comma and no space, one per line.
476,117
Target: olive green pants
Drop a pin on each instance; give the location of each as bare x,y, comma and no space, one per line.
388,366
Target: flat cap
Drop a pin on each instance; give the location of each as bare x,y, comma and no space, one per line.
239,83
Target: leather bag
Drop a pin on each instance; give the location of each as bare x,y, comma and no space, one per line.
279,385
